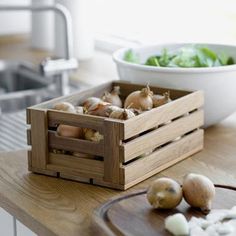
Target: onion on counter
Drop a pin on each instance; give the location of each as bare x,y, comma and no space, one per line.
140,100
198,191
164,193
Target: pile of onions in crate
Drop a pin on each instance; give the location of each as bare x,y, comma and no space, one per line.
109,105
116,134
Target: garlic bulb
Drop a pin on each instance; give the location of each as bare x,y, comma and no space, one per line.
164,193
91,101
69,131
159,100
64,106
122,114
92,135
141,100
198,191
98,109
113,97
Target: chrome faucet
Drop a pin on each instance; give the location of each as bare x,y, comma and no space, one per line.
57,67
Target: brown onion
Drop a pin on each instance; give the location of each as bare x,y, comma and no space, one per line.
113,97
159,100
122,114
198,191
140,100
98,109
164,193
70,131
64,106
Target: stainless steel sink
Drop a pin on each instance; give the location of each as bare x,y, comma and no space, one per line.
21,87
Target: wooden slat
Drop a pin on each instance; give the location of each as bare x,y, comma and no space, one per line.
161,135
85,121
39,138
76,145
29,155
28,119
163,158
78,97
111,157
128,87
85,167
162,114
28,133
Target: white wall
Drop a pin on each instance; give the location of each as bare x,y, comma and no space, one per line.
14,22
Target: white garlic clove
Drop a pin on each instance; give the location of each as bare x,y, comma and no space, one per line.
177,224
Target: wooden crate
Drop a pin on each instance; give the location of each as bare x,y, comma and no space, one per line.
172,131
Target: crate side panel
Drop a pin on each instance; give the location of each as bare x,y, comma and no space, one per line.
163,114
163,158
82,164
84,121
77,98
39,138
127,88
162,135
76,145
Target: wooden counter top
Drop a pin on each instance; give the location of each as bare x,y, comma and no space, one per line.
51,206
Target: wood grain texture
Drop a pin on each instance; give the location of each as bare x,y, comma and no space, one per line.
84,167
162,135
39,138
112,155
52,206
163,158
75,145
84,121
133,215
162,114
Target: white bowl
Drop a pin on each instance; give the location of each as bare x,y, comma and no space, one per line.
218,83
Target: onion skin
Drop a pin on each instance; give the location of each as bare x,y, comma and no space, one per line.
99,109
113,97
90,101
164,193
64,106
122,114
198,191
70,131
140,100
159,100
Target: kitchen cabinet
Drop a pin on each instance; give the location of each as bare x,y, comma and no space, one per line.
22,230
6,223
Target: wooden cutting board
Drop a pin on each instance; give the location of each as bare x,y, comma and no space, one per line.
132,215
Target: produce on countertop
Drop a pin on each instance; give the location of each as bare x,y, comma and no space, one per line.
187,57
164,193
198,191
